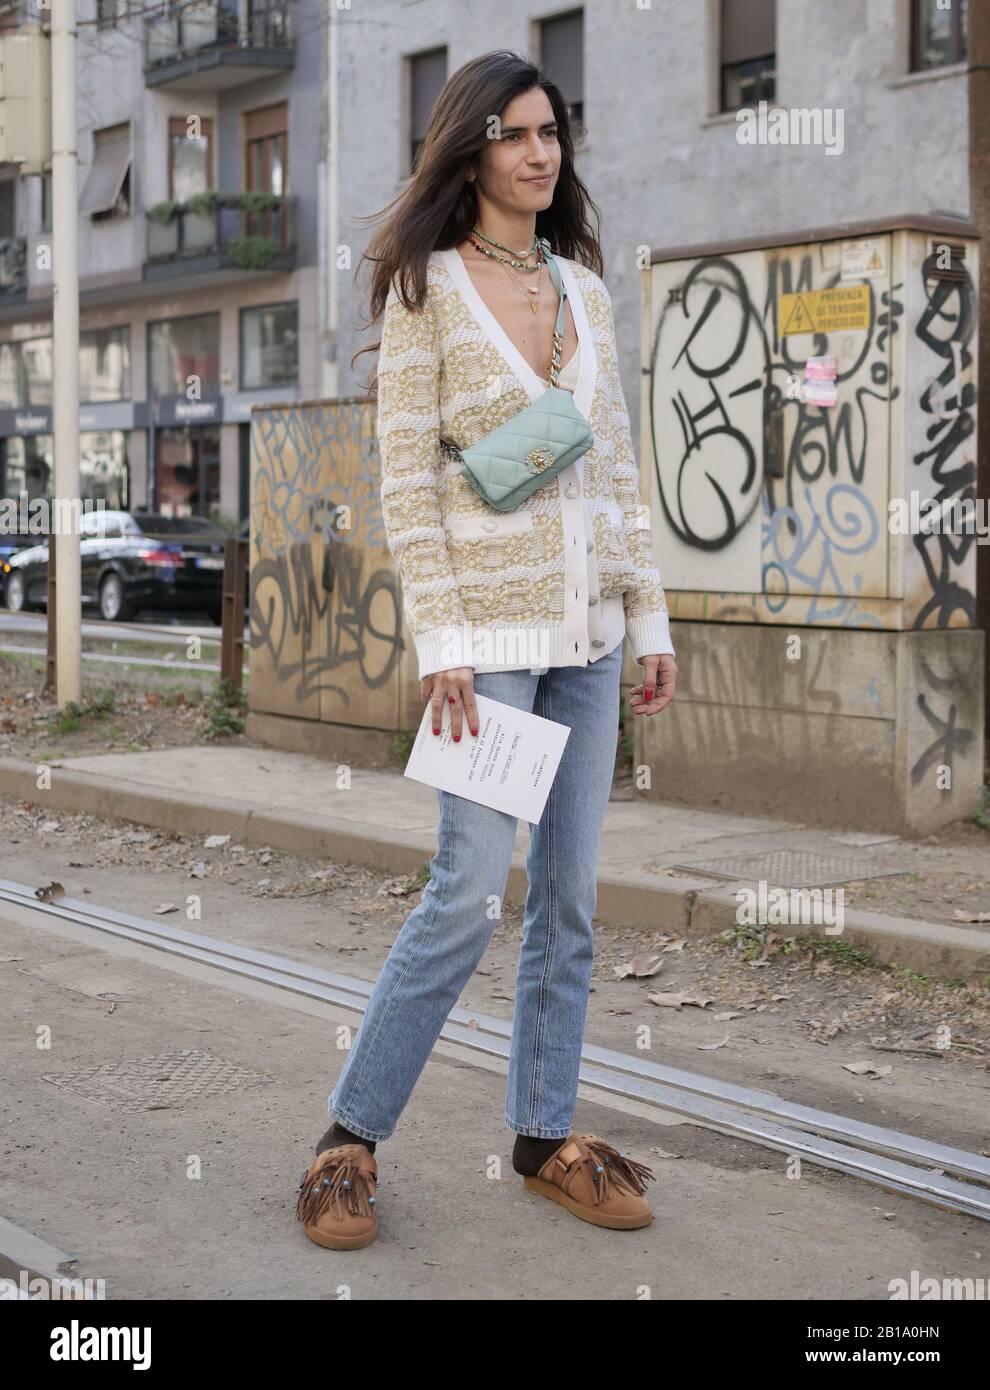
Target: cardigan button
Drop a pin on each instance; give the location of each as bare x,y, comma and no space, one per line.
592,601
489,525
597,643
591,546
572,490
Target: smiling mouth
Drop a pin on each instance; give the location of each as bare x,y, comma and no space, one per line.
538,178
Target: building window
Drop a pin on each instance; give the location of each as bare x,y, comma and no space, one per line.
8,207
29,465
187,471
562,58
105,364
938,35
26,373
190,158
747,52
184,356
267,149
109,11
427,75
103,471
46,202
269,346
107,189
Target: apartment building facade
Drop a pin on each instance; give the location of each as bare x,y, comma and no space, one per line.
656,85
194,307
198,130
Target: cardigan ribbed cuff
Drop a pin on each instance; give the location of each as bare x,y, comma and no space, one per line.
442,648
649,633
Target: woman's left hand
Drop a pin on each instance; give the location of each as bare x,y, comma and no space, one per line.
658,687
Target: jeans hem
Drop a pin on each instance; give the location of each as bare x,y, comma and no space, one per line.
538,1131
376,1136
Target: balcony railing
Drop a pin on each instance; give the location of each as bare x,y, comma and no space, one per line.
247,230
196,27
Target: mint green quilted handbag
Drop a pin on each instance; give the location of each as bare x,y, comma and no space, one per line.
529,450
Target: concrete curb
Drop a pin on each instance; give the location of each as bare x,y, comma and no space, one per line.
691,908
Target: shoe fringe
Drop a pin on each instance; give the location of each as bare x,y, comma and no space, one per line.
335,1181
625,1174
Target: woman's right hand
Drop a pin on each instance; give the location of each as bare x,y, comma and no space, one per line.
456,687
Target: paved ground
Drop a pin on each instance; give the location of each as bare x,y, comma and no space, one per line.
196,1200
925,912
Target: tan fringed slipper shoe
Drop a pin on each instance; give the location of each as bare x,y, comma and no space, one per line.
595,1182
337,1198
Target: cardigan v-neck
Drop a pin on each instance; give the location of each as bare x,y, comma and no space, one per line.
530,380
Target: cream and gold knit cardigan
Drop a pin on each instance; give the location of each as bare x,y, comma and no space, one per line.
506,590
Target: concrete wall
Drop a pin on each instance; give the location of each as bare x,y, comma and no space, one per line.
872,730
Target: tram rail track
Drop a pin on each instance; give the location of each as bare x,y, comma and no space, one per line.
947,1177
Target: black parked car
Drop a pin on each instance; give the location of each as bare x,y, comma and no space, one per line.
10,545
131,561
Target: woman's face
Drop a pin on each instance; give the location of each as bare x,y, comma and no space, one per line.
519,171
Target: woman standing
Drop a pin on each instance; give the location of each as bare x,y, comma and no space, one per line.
529,607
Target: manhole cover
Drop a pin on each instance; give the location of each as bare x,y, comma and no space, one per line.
789,868
165,1081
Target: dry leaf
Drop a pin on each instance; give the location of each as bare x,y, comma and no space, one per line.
867,1069
166,907
216,841
958,916
641,967
724,1018
52,890
667,1001
710,1047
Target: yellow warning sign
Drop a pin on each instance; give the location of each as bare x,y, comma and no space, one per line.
825,311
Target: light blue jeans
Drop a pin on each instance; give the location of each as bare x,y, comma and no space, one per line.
444,937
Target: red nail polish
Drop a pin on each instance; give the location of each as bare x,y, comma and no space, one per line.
436,731
474,731
649,694
457,738
452,700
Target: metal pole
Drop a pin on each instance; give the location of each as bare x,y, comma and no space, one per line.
65,265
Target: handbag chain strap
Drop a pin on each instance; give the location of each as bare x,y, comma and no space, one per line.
452,450
558,332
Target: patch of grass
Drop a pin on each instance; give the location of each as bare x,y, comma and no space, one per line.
224,709
755,940
913,981
402,745
841,952
625,749
98,705
421,879
980,815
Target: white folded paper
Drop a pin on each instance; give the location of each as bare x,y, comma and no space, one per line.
509,765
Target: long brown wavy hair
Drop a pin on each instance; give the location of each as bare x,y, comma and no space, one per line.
437,207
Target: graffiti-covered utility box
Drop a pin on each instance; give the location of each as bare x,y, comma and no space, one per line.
809,459
331,671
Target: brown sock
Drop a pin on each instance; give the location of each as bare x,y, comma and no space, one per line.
337,1135
529,1154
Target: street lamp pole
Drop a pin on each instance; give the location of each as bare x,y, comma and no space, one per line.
65,274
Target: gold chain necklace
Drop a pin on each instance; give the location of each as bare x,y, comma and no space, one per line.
527,291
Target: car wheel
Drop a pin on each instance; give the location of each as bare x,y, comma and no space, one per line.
14,594
114,605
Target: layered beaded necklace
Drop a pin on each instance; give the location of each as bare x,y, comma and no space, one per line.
514,258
